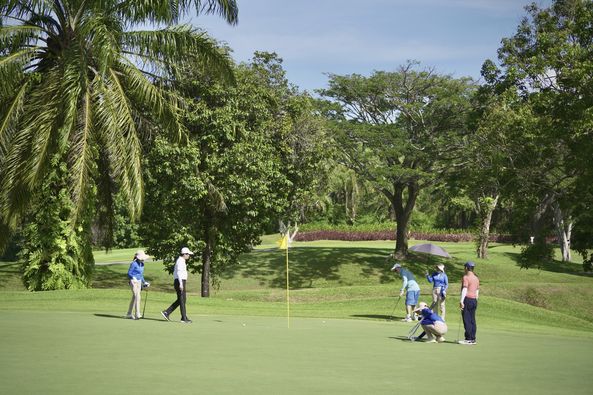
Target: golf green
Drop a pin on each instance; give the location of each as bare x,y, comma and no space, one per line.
84,352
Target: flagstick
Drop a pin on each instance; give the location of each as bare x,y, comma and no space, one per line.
287,290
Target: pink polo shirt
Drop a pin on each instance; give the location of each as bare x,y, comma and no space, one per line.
472,283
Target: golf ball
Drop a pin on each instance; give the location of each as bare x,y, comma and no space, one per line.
243,324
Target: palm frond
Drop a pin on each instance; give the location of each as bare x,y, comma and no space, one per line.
119,134
160,104
170,11
10,116
180,44
81,154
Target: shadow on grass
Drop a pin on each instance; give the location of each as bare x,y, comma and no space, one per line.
554,266
121,317
309,265
9,269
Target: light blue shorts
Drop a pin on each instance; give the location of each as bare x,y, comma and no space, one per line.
412,298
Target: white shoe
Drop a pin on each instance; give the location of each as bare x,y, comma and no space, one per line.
440,339
467,342
129,316
430,341
407,319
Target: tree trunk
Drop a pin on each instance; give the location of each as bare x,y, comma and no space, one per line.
403,214
563,232
206,263
485,209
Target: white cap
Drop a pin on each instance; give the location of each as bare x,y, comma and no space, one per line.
396,266
421,306
186,250
140,255
441,267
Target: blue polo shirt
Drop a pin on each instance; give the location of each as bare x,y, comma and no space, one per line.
136,270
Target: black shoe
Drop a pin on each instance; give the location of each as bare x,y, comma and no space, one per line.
165,315
186,321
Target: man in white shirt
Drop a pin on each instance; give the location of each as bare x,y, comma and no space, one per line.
180,279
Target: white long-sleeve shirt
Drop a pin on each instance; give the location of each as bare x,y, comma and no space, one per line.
180,269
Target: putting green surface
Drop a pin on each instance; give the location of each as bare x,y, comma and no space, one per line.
61,352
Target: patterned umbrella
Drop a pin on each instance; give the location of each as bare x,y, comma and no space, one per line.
431,249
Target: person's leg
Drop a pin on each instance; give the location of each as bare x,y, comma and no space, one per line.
181,297
430,332
132,301
435,296
137,286
472,305
440,328
466,316
175,304
441,304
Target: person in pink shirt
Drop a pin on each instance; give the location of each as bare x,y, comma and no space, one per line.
470,289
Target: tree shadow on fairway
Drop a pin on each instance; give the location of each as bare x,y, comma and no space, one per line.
311,265
8,270
553,266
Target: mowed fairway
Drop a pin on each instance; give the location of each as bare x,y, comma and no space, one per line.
535,329
85,353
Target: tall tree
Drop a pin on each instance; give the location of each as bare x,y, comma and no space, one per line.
234,177
549,62
82,83
401,131
80,79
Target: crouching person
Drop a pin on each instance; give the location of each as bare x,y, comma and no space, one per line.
434,326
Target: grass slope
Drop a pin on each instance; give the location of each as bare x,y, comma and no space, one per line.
535,329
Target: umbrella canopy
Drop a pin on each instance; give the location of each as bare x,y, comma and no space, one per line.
431,249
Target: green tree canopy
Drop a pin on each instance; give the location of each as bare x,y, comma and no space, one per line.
84,80
401,130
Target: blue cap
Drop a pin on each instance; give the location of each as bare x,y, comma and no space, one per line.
469,264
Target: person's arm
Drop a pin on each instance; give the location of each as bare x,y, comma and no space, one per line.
429,277
445,281
132,270
404,284
181,268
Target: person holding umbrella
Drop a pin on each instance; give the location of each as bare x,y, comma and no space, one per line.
410,286
137,282
440,283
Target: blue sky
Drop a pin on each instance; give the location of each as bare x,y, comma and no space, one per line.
346,36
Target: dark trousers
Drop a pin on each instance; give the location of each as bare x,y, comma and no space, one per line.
470,305
180,300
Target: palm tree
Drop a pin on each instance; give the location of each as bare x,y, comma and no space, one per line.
84,81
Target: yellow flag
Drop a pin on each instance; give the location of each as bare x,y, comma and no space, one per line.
283,242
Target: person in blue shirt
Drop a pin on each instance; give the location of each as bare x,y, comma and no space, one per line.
410,286
137,282
440,283
433,325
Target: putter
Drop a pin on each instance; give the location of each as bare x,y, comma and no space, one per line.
394,307
145,299
459,328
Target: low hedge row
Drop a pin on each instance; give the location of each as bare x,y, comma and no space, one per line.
390,235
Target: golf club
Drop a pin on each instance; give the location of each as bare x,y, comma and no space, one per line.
459,327
394,307
145,299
